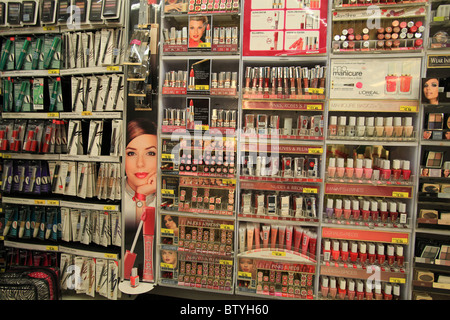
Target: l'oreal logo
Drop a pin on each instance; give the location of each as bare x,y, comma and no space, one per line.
369,93
343,71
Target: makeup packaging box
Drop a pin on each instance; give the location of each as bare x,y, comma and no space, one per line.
24,52
23,101
52,52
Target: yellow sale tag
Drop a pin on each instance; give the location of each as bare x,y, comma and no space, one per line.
39,202
86,113
204,45
110,256
278,254
315,150
109,208
226,262
227,227
112,68
314,107
51,248
408,108
310,190
397,280
242,274
400,240
53,115
48,28
166,156
167,191
167,231
166,265
53,202
316,90
53,71
400,194
202,87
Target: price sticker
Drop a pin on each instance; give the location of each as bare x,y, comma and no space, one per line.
408,108
201,127
202,87
53,71
109,208
316,90
310,190
166,265
39,202
226,262
51,248
53,115
400,240
167,156
53,202
49,28
278,254
227,227
86,113
112,68
110,256
400,194
168,191
314,107
315,150
204,45
397,280
167,231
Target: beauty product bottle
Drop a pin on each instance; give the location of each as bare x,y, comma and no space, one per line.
332,128
349,170
342,288
347,209
370,127
368,169
325,287
390,254
406,170
351,127
326,250
396,169
330,208
374,213
351,290
405,78
331,167
369,290
353,251
344,251
396,292
355,209
388,127
359,168
134,278
361,127
342,124
362,252
386,170
340,169
378,295
333,288
359,290
400,258
371,253
338,209
393,211
365,212
381,257
391,79
398,127
379,127
408,127
335,250
402,212
384,214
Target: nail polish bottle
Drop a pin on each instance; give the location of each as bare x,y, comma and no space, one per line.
350,129
354,252
405,78
368,169
331,167
369,290
378,295
349,170
381,257
388,127
351,290
379,127
344,251
325,287
406,170
396,292
370,128
134,278
326,250
371,253
335,250
333,289
400,258
340,170
393,211
384,214
390,254
359,168
398,127
347,209
391,79
362,252
338,208
332,128
361,127
342,288
386,170
330,209
342,124
359,290
365,212
396,170
374,210
355,210
408,127
402,212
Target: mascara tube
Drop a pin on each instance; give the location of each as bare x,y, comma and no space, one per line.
49,58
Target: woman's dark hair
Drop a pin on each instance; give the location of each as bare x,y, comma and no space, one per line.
138,127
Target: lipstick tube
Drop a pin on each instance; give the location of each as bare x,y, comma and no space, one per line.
292,80
255,75
305,80
267,79
248,78
273,79
298,76
261,76
286,80
280,80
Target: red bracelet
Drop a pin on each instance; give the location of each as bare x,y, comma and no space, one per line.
139,196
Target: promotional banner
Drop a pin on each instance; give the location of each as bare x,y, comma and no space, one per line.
391,79
284,27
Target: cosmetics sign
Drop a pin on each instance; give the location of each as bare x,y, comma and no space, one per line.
284,27
393,79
